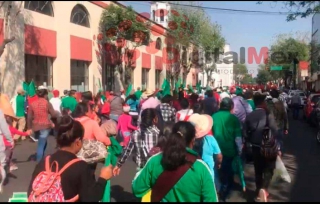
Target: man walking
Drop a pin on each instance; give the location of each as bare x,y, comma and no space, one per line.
296,103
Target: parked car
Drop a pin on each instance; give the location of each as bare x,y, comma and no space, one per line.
312,100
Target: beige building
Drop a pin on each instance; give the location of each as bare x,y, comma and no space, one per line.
56,45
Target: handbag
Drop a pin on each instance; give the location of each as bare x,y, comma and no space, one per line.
167,180
92,151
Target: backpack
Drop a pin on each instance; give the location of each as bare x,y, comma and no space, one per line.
269,145
47,187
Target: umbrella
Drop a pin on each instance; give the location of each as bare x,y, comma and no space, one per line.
238,169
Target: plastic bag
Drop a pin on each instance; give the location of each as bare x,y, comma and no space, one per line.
280,172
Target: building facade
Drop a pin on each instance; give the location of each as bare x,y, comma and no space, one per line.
56,45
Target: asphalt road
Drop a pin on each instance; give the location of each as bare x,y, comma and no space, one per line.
302,160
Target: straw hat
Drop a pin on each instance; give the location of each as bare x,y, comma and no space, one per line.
203,124
147,93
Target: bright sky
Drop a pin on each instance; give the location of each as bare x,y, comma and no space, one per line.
245,29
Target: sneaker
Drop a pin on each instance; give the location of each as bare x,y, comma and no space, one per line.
263,196
13,168
33,138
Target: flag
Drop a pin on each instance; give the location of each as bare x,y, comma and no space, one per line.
129,89
199,87
166,89
100,86
25,86
32,89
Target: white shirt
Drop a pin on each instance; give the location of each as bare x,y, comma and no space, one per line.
182,114
56,103
224,95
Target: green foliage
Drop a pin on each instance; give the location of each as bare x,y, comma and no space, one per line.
239,71
300,9
247,79
114,17
263,76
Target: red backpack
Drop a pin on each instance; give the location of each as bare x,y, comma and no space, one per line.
46,187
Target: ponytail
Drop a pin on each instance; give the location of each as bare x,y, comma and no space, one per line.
174,152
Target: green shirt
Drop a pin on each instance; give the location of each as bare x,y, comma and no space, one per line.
69,102
20,100
226,127
196,185
251,103
138,94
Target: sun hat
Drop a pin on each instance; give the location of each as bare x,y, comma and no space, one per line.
42,87
147,93
203,124
126,108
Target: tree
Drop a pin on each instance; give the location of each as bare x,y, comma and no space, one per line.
300,9
239,72
8,4
263,76
190,25
247,79
126,31
283,51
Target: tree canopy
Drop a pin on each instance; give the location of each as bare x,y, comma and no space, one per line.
263,75
300,9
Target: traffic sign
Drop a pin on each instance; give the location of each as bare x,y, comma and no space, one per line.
276,68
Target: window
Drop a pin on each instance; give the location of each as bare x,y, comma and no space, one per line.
80,16
38,69
145,78
79,75
154,15
158,44
161,15
158,74
110,79
43,7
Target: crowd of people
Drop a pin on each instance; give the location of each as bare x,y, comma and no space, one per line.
187,146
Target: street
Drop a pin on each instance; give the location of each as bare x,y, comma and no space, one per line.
302,160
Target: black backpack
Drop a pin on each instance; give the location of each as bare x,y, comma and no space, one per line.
269,144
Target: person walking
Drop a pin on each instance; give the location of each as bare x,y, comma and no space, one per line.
227,132
142,140
187,179
5,135
69,102
18,104
254,128
38,120
280,115
168,112
296,103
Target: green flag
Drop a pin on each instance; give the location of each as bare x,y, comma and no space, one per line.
184,85
166,88
25,86
199,87
164,84
32,89
129,89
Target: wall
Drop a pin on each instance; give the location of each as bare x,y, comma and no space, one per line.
68,41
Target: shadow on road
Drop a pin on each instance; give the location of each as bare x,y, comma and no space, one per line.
119,195
303,161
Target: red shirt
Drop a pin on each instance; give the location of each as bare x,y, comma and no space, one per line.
217,96
32,99
13,131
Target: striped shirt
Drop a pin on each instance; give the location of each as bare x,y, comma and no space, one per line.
141,145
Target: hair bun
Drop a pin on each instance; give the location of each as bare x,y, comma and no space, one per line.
65,124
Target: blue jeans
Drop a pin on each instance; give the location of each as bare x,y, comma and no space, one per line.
42,142
226,176
114,117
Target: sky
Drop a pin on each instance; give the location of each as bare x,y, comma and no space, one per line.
245,29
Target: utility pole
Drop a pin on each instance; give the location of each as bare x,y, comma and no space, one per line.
294,72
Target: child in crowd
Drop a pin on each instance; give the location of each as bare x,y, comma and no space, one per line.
9,148
125,125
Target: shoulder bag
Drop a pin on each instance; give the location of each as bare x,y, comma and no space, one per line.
167,180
